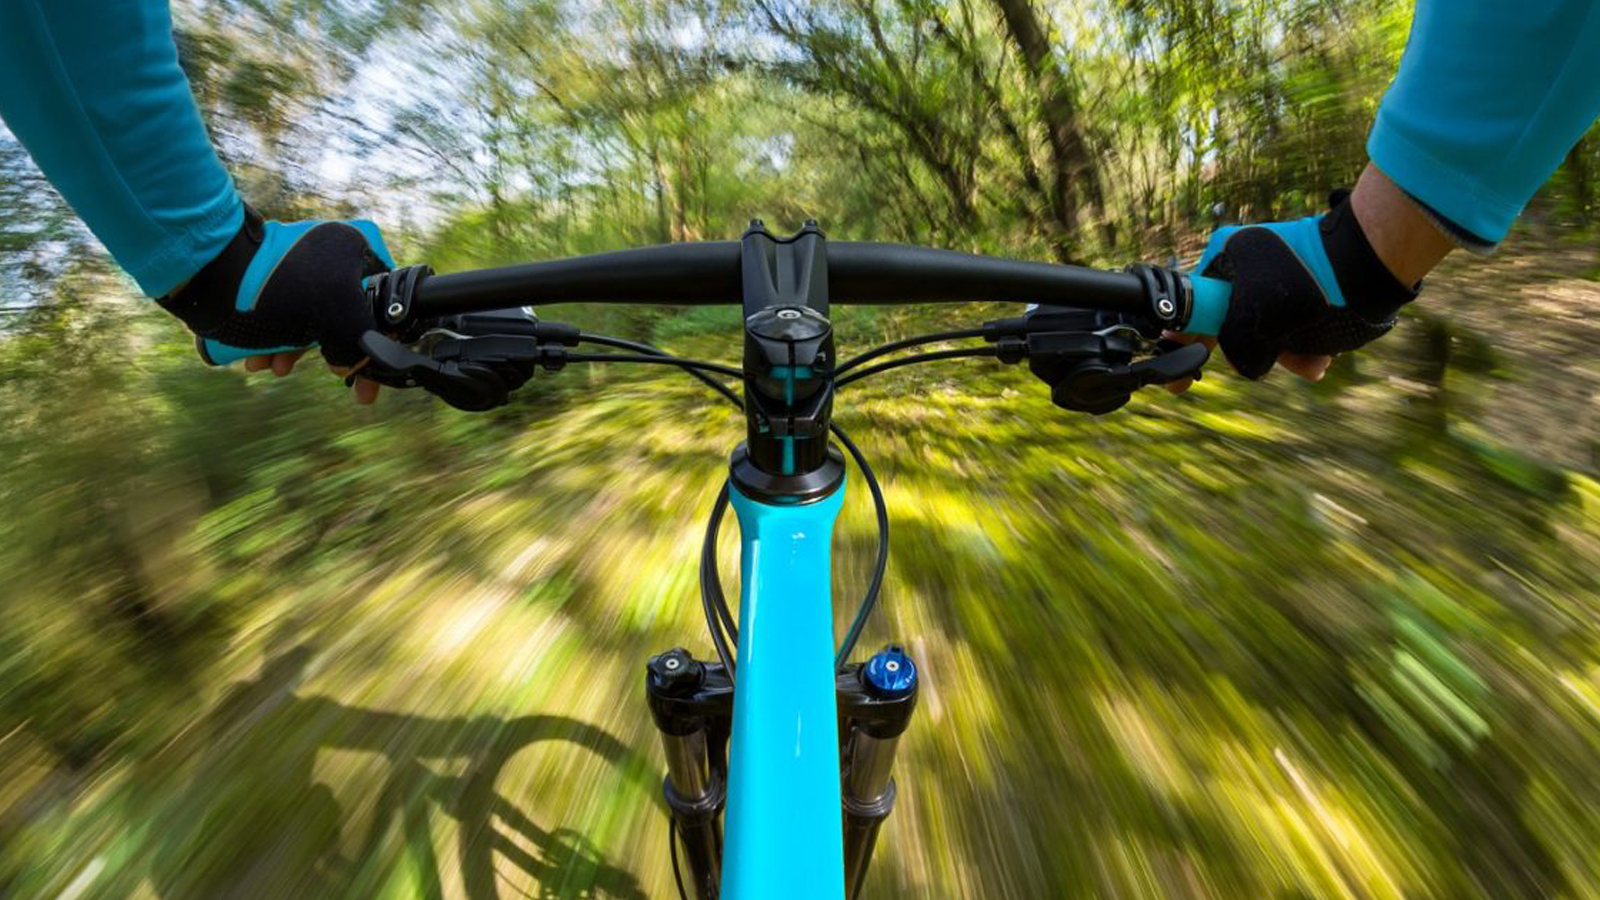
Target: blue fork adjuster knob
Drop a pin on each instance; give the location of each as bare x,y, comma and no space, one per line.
890,673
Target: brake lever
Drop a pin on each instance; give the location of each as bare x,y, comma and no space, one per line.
472,374
1173,365
1099,385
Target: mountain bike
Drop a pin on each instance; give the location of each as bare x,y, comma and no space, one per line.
779,750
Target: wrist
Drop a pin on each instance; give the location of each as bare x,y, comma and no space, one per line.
1401,235
206,299
1369,286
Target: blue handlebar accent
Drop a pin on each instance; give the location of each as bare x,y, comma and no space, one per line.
1210,305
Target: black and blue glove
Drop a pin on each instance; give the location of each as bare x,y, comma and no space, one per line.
283,286
1313,286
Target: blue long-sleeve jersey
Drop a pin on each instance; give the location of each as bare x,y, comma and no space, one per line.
1489,98
93,90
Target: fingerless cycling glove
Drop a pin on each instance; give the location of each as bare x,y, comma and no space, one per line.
284,286
1311,286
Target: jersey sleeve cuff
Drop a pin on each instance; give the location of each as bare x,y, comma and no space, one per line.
183,255
1453,200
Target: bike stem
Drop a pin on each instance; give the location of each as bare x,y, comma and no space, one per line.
788,369
786,481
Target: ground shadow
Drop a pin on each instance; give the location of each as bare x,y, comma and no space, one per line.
251,819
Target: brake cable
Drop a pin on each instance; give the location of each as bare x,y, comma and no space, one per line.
641,347
408,367
904,343
719,617
881,565
932,356
680,362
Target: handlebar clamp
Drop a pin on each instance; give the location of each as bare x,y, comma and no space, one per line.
392,294
1170,295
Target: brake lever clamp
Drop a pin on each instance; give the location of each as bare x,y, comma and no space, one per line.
391,294
1169,293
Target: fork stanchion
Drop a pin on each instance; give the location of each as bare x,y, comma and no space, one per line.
875,703
690,702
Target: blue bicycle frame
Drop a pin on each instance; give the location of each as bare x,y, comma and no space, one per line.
783,834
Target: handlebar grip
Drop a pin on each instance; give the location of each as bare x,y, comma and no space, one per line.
1210,300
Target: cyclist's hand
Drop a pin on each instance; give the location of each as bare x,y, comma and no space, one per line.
1310,366
1302,292
279,288
365,390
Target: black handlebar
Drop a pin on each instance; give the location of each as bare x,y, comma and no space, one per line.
1075,339
708,273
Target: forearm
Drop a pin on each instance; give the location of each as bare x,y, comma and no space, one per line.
94,91
1489,98
1402,236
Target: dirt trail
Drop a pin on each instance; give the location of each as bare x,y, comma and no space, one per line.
1537,304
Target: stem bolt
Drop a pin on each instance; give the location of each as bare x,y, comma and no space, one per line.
395,309
1165,307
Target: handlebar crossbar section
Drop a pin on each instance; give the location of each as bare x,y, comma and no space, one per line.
707,273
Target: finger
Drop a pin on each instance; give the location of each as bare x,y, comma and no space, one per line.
283,363
344,371
1179,386
1183,337
257,363
366,391
1307,365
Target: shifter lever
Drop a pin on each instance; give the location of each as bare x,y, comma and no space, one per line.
1184,362
1099,384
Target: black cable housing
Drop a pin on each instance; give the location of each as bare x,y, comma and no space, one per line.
973,352
641,347
904,343
875,586
714,602
719,619
663,359
712,599
672,849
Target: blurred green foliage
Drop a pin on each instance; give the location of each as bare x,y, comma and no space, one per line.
1259,641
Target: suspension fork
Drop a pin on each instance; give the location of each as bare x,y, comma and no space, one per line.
875,703
692,705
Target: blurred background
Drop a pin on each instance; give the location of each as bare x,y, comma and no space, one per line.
1259,641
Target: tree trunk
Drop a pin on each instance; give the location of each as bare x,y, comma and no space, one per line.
1076,177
